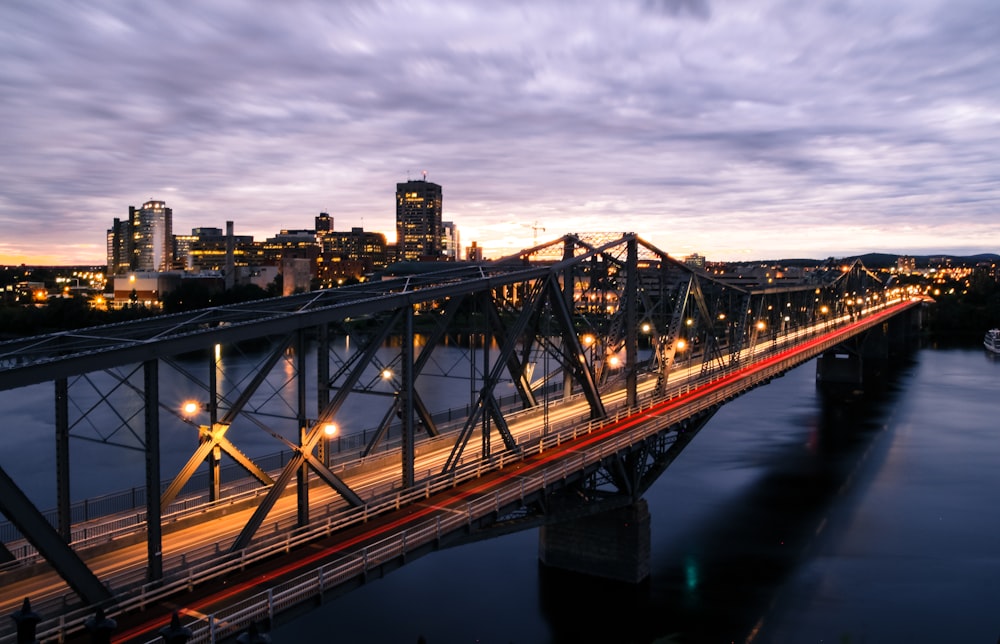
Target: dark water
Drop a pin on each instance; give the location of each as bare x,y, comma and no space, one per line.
786,520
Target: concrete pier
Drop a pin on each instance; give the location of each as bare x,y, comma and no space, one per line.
611,545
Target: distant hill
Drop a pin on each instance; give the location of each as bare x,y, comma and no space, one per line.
888,260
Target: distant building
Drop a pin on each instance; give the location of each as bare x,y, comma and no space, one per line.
324,224
143,288
419,233
474,253
695,260
143,242
289,243
296,254
119,247
350,254
906,264
152,238
449,236
206,249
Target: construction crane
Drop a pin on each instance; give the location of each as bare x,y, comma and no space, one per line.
535,228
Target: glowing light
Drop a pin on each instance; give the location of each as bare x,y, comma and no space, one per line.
613,361
588,340
330,429
646,327
681,344
191,407
386,374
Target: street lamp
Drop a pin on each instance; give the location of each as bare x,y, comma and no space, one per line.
191,407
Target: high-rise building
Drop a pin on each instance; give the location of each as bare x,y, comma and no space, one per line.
152,240
119,247
449,235
324,224
418,221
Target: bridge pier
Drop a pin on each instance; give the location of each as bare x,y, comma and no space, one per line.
856,362
864,358
614,544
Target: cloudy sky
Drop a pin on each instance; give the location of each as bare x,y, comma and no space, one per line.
738,129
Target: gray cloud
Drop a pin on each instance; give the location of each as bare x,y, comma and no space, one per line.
761,128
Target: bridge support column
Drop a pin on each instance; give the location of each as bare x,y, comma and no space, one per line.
611,545
839,368
859,361
904,332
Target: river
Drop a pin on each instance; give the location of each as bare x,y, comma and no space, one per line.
786,520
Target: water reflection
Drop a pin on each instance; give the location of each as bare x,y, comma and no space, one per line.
718,578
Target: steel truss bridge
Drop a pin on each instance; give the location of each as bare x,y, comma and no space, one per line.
581,367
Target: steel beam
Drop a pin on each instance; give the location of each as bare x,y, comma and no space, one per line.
16,506
573,352
407,450
154,530
323,384
214,469
63,496
302,477
631,320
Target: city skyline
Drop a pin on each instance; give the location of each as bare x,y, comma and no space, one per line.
736,131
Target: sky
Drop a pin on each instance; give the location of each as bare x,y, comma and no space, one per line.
735,129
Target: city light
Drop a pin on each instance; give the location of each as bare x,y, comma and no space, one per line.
330,429
191,407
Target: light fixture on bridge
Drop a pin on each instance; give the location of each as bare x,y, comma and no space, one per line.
386,374
681,344
192,407
330,429
760,325
587,340
645,327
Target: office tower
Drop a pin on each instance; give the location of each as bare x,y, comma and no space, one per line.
449,236
152,237
418,221
324,224
119,247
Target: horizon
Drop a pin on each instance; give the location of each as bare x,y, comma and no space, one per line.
734,131
927,256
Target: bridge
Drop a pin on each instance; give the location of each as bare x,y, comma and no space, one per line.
296,447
